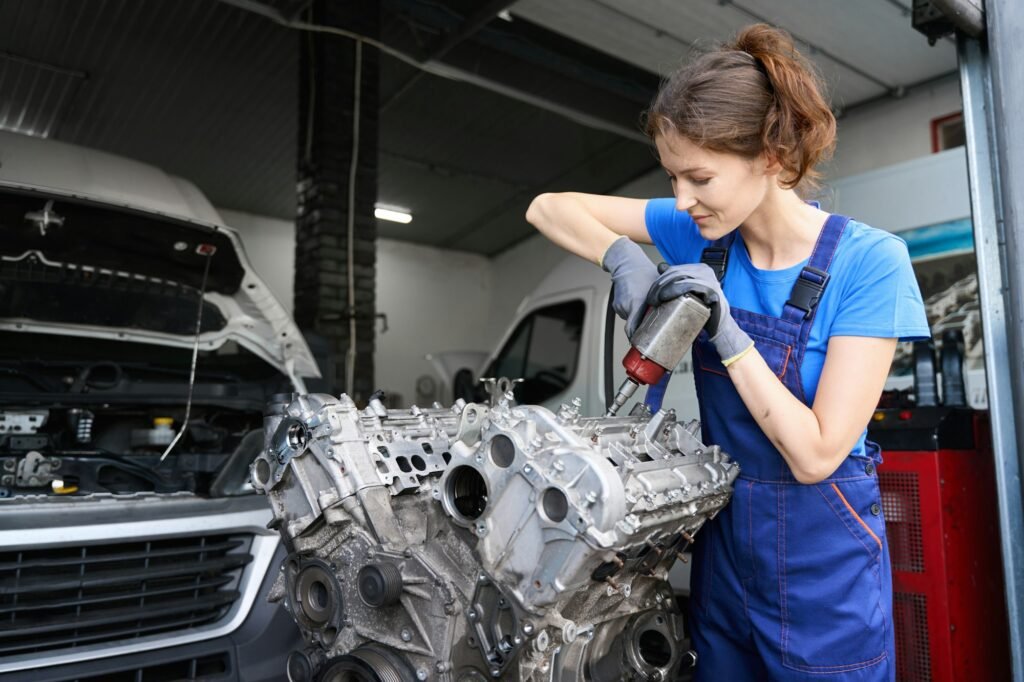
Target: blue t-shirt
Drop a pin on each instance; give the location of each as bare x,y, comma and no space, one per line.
872,290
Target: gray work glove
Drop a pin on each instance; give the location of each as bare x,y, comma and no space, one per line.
633,273
698,279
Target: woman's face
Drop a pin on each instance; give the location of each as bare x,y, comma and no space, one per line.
719,190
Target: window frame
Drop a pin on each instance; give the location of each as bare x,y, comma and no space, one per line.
529,318
936,129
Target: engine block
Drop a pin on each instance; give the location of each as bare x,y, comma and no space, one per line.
484,542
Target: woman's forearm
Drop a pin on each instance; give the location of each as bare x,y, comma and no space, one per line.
815,440
792,427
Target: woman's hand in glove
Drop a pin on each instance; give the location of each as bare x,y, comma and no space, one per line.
698,279
632,273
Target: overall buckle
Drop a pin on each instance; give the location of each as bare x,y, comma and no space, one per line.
807,290
717,258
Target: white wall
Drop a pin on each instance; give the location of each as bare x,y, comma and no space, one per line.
435,300
892,131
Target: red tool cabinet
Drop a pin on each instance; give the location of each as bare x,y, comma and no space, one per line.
939,504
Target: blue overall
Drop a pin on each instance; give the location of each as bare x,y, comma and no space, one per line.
790,581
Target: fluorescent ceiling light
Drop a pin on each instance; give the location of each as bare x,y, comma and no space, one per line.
391,214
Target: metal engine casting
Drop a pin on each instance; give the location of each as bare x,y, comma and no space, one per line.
484,542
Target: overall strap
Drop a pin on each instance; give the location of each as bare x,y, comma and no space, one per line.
716,256
813,279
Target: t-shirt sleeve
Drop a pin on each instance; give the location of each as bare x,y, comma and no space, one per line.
673,232
882,298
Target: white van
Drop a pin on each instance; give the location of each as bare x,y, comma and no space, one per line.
117,563
566,342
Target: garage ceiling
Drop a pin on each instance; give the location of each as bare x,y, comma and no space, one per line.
548,101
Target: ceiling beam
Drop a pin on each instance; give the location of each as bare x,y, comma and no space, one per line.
524,61
448,40
473,23
815,48
525,193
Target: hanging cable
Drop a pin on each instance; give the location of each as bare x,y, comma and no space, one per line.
350,357
208,251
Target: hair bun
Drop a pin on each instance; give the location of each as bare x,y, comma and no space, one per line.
762,41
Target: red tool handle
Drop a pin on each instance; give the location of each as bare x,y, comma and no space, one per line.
642,370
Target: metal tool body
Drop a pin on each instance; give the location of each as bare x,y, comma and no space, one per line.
659,344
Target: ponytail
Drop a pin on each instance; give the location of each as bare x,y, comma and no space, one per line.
756,95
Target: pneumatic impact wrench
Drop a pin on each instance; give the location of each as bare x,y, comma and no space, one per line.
659,344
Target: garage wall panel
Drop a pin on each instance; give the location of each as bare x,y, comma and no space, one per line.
892,131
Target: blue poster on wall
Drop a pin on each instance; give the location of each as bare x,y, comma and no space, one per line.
941,239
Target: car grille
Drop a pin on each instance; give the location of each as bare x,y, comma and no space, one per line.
206,668
73,596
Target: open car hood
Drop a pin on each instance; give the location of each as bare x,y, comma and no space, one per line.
83,254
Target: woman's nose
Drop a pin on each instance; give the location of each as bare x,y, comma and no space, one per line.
685,201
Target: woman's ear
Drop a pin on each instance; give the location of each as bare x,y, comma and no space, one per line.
769,164
771,168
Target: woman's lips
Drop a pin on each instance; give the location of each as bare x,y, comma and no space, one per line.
699,218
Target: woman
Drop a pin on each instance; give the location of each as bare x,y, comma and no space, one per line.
792,579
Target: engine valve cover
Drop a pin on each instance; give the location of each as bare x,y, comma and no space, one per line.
484,542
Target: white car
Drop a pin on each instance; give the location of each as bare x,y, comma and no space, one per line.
115,561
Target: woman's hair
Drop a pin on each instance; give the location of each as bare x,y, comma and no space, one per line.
755,95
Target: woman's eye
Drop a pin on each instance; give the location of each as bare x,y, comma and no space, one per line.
701,181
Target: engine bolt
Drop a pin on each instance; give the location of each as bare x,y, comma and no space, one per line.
527,629
495,672
682,557
406,635
472,614
687,536
422,674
